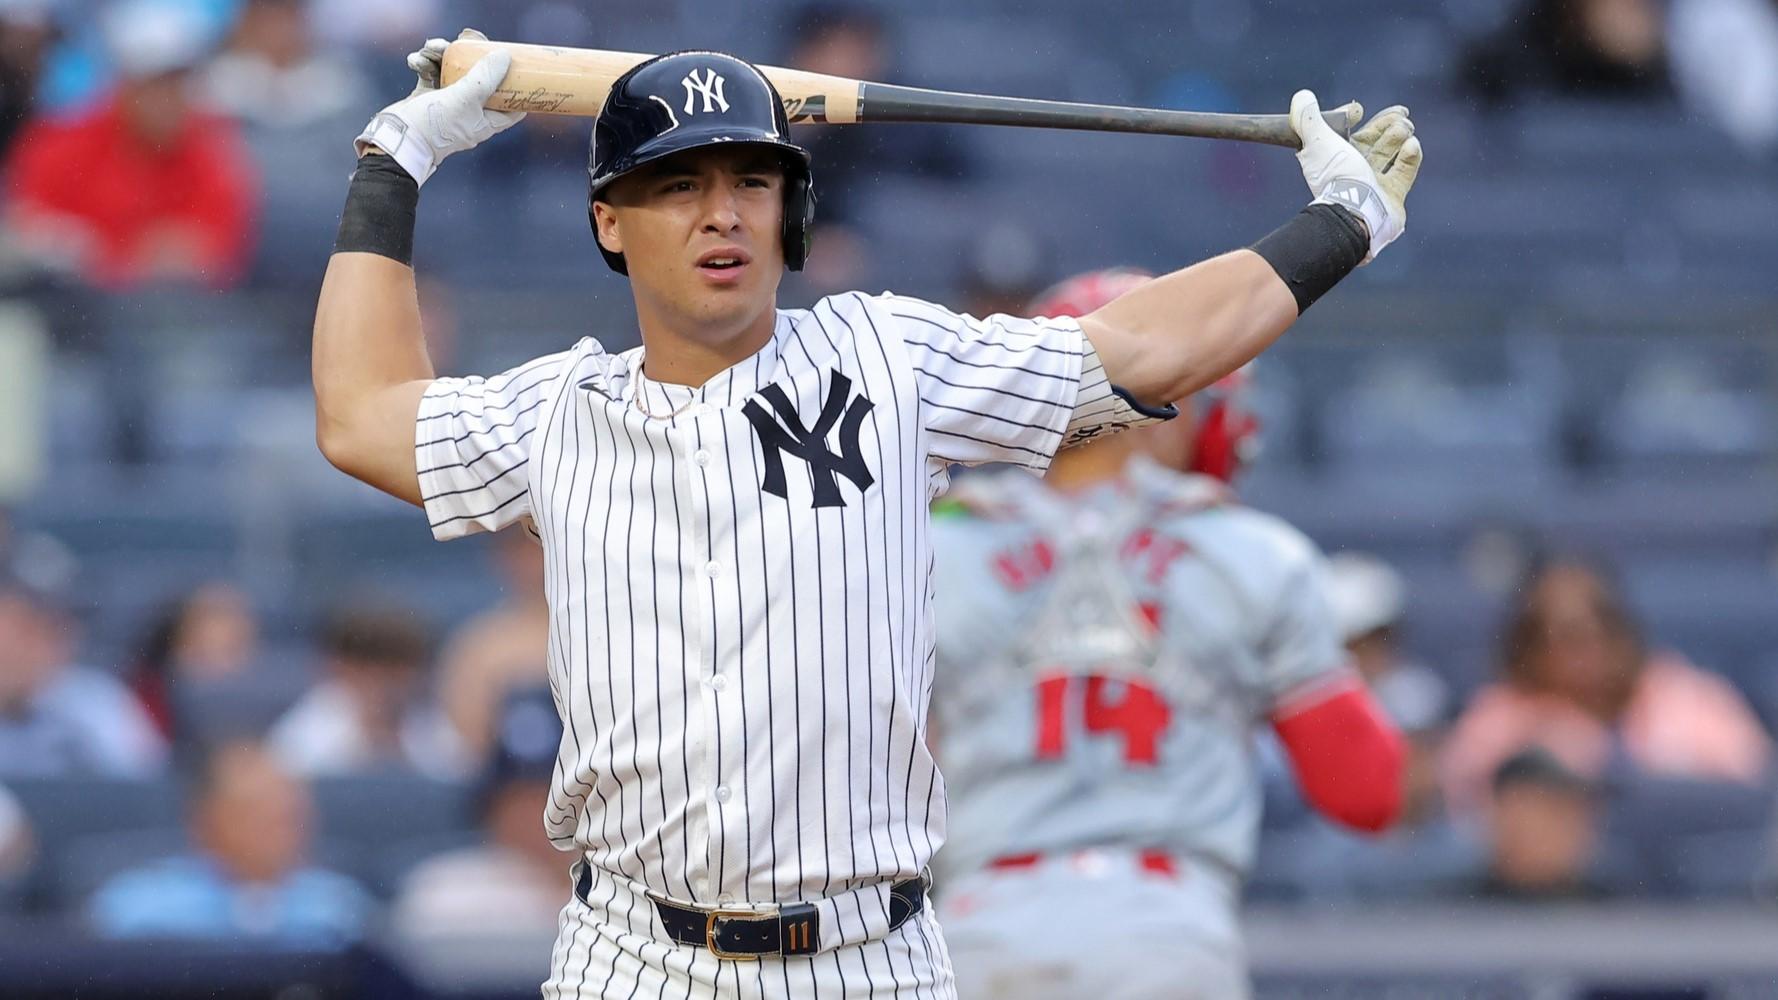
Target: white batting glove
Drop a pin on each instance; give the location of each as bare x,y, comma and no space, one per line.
1369,176
427,62
431,123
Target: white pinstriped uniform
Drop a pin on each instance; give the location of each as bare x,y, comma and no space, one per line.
743,675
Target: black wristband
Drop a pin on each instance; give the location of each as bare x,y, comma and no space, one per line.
1314,250
380,209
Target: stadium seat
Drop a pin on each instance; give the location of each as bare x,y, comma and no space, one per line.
366,814
1717,612
82,864
245,706
388,868
63,810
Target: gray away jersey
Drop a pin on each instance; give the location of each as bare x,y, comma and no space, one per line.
1103,660
741,640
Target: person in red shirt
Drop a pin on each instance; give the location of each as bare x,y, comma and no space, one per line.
146,186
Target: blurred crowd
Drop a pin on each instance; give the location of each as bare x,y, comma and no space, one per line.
180,112
200,716
137,138
1594,765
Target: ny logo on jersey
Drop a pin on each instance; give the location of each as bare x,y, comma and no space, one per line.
810,444
710,86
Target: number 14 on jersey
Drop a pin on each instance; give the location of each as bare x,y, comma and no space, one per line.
1106,707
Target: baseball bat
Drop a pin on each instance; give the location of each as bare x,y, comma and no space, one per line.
557,80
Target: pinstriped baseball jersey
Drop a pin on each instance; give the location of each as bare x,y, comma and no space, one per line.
1105,657
741,627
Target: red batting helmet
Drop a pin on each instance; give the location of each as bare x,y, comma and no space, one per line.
1228,431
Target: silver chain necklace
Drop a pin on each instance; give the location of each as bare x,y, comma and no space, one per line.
642,398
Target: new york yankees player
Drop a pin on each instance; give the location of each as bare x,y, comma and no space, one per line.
1109,639
734,514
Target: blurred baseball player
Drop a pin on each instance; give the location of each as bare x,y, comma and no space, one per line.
734,515
1108,640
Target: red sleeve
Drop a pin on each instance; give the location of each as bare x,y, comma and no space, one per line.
1348,758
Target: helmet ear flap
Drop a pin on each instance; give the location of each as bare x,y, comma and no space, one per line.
1225,440
1213,453
799,219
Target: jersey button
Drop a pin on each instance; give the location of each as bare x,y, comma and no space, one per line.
719,684
722,793
725,900
712,568
702,457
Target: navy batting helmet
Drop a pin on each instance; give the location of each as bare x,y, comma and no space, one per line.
685,100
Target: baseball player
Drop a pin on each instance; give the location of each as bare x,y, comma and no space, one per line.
734,515
1108,640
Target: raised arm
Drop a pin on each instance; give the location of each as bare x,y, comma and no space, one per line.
370,369
1183,331
370,364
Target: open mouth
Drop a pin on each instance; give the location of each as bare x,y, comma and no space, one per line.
725,264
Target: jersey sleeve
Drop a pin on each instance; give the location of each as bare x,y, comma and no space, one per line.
473,442
1302,660
1005,388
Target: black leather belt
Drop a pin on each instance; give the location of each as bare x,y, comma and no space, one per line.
790,929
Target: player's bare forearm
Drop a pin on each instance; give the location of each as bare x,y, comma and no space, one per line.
370,369
370,361
1173,336
1183,331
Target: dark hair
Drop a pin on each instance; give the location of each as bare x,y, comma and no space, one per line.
1536,767
155,652
381,635
1525,628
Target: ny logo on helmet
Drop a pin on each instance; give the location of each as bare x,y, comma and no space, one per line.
710,86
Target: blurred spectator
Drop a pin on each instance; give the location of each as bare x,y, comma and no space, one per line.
209,634
1367,597
81,66
57,718
517,881
853,41
27,28
1005,266
1544,831
246,877
1590,48
500,650
269,73
1578,681
1424,855
17,850
1725,64
146,186
390,25
373,712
